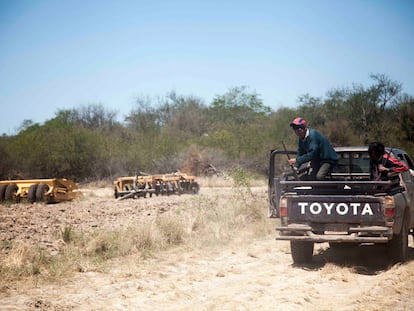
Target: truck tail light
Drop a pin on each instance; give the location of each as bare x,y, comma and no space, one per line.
389,207
283,210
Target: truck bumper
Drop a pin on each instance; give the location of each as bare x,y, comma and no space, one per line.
369,234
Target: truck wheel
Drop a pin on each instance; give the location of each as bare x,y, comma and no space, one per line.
339,246
2,192
31,194
398,246
11,193
40,192
302,252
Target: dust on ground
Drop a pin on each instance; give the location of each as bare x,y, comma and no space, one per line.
248,274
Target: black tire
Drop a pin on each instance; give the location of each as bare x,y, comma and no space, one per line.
40,192
11,193
165,189
180,189
340,246
302,252
194,188
2,192
170,188
31,194
398,247
157,190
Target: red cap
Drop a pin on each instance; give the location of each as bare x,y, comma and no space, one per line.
300,122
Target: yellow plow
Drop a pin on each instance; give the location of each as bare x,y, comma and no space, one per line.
162,184
38,190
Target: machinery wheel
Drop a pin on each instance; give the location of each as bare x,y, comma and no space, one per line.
157,190
40,192
194,188
302,251
2,192
11,193
398,246
170,188
31,194
163,189
180,189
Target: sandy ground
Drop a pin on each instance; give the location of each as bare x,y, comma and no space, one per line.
245,275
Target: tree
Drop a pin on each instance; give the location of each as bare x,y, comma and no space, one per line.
186,115
232,120
313,109
92,116
385,91
365,112
6,160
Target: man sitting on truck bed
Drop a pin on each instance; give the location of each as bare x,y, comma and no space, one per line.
383,165
313,147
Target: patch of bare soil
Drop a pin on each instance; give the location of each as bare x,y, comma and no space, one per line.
248,274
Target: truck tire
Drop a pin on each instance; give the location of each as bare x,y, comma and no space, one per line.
302,251
340,246
398,247
31,193
10,194
40,192
2,192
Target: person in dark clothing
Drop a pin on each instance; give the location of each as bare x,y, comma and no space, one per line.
383,165
315,148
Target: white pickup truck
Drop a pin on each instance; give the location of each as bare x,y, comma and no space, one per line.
346,207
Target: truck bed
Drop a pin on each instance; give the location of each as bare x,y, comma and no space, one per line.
346,187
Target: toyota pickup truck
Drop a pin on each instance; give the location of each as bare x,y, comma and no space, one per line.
346,207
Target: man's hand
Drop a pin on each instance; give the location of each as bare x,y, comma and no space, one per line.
389,172
382,168
292,161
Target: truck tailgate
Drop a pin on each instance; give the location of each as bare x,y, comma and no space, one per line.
335,209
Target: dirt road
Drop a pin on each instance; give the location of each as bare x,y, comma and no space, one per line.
245,275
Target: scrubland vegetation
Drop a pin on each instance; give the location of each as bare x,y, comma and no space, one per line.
178,132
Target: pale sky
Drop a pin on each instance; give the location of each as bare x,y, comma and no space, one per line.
67,54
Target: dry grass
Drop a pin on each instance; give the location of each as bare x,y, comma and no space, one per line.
233,179
202,221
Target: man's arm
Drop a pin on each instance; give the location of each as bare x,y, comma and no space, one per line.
312,151
394,165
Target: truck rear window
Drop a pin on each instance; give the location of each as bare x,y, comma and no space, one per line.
352,162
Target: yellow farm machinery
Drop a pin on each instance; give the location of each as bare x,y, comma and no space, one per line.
38,190
163,184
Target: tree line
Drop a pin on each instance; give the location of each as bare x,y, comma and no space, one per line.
178,132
